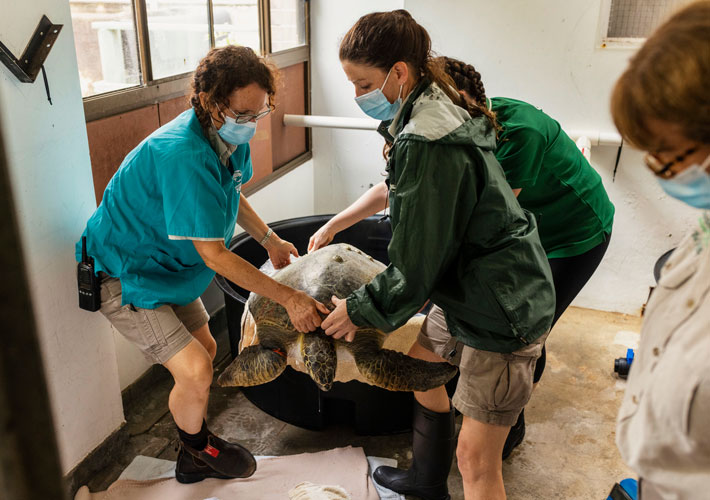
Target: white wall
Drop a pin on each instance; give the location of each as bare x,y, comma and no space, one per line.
50,173
542,52
290,196
346,162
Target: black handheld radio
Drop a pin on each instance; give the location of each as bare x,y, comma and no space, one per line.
89,283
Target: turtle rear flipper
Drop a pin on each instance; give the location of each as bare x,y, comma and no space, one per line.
394,370
255,365
319,356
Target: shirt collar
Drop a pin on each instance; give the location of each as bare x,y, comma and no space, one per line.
223,149
391,128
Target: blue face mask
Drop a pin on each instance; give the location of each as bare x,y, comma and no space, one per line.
691,186
236,133
375,105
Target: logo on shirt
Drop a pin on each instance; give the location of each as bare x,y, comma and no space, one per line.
237,178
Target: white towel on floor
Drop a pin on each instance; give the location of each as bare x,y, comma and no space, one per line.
309,491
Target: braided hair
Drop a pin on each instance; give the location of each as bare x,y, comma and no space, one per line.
467,79
224,70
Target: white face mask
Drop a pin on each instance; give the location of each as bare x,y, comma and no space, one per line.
375,104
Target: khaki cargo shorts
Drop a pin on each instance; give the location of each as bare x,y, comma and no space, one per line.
159,333
493,387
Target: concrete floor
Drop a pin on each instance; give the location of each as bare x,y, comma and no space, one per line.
568,452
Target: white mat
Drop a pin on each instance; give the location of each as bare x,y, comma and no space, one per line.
146,473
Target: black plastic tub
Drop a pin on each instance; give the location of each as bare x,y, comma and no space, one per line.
293,397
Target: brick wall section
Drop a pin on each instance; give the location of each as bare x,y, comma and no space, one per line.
112,138
289,142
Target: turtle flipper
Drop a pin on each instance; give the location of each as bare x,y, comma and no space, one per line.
255,365
320,359
394,370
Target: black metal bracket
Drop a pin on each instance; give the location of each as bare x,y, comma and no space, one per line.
28,66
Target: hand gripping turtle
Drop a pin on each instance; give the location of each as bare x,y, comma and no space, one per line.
333,270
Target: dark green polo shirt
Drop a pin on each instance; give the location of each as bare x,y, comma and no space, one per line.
558,185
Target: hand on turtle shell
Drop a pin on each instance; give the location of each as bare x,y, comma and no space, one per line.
303,310
280,251
320,238
338,322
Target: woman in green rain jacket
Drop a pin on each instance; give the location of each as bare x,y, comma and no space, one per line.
460,239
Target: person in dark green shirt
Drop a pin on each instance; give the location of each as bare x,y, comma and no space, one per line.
554,181
459,239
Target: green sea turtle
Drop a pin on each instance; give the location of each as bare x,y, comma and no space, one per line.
333,270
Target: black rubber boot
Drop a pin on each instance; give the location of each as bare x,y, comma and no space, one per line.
515,436
192,470
433,446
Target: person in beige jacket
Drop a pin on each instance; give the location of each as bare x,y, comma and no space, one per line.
661,104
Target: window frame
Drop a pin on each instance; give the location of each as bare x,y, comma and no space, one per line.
606,42
151,92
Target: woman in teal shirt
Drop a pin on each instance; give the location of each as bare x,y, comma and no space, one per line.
160,234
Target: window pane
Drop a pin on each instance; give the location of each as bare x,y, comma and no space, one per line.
106,47
638,18
236,22
179,35
288,24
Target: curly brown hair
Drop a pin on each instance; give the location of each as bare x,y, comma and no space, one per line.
224,70
381,39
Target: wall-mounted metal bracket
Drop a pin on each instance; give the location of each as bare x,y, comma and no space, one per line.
28,66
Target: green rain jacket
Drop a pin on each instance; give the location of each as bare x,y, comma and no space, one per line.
459,236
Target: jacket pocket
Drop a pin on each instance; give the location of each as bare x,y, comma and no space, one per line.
512,322
678,269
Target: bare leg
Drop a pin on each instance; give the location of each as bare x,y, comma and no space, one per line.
192,370
479,459
435,399
205,337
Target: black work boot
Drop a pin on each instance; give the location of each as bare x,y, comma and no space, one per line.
515,436
433,446
229,459
192,470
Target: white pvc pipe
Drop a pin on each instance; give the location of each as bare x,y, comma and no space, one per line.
330,122
596,137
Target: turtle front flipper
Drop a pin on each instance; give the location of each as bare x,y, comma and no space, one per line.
255,365
319,356
394,370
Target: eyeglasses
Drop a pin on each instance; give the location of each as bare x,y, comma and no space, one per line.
239,118
664,169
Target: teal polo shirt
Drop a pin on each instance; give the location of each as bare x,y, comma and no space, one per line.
171,189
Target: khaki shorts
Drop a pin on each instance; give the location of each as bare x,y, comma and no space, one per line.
493,387
159,333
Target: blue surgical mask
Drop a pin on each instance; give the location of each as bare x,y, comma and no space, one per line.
236,133
691,186
375,104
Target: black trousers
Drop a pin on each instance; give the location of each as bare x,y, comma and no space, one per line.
569,275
